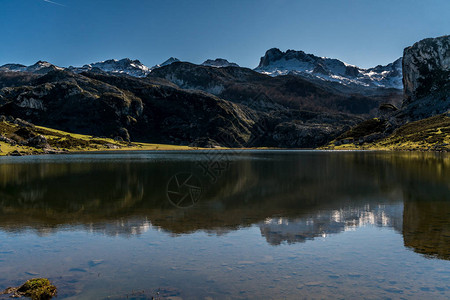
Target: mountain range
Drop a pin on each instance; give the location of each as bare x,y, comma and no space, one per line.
291,100
276,62
273,63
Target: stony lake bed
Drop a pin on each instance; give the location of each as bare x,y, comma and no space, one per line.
228,224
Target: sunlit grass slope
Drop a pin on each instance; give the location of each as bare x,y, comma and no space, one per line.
431,134
14,139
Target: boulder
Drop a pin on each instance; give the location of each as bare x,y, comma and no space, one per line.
38,142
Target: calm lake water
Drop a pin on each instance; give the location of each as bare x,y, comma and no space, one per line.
228,225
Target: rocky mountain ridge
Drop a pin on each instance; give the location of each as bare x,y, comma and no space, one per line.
40,67
275,63
265,93
219,63
124,66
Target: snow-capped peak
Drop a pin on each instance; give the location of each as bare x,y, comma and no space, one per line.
275,62
169,61
124,66
40,67
219,63
13,68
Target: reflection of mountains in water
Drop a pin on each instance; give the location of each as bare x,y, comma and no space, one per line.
308,193
323,223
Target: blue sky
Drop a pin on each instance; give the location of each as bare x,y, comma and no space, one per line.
75,32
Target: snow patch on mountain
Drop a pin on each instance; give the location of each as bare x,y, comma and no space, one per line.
276,62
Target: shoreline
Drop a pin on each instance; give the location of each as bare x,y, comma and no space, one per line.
195,149
21,138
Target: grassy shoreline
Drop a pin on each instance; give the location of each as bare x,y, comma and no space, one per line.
17,139
431,135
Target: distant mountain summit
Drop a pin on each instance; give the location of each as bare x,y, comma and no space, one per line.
275,62
40,67
169,61
13,68
124,66
219,63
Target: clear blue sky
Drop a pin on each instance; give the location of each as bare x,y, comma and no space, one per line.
360,32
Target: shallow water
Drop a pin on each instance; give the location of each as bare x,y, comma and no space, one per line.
227,224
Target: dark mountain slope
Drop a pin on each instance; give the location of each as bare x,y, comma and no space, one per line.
156,113
12,79
265,93
278,125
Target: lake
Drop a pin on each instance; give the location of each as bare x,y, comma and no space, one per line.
228,224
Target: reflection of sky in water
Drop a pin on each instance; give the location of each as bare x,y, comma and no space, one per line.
282,225
323,223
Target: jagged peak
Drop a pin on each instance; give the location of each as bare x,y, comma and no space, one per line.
167,62
122,66
219,62
42,63
276,62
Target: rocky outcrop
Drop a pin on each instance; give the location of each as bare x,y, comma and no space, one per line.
426,67
426,78
38,141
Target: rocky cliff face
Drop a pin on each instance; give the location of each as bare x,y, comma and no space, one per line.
426,78
426,67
